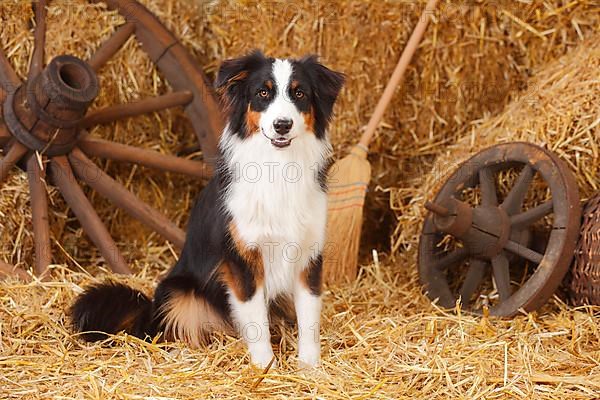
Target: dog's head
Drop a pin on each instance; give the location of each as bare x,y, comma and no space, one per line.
280,99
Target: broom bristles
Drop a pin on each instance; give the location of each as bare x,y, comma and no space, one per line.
348,181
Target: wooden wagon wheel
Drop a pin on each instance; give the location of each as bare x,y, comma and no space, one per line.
462,242
43,121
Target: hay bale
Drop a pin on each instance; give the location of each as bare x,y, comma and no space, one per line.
560,110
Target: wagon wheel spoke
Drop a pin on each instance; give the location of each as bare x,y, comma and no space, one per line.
525,252
473,279
145,106
111,46
37,59
63,177
10,81
488,188
450,259
148,158
39,214
501,273
92,175
10,159
514,199
526,218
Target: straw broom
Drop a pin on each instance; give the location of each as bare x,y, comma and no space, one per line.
350,176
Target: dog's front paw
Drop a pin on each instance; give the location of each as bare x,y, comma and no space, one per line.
309,357
261,359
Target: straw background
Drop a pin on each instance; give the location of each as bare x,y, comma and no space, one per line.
560,109
486,72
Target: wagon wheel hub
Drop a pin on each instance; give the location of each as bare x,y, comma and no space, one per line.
484,230
43,114
463,241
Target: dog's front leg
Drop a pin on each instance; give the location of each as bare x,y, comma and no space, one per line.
252,321
307,301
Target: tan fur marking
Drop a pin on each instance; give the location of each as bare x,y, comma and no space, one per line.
304,276
269,84
231,281
189,318
250,254
295,84
309,120
252,121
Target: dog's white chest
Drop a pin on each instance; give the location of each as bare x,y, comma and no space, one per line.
277,204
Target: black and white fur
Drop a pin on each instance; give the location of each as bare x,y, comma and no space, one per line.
256,231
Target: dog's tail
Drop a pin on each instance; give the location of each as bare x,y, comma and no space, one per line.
109,308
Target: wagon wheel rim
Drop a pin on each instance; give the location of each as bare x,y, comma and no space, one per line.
551,265
44,122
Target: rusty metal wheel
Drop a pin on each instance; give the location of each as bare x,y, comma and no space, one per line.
501,231
44,123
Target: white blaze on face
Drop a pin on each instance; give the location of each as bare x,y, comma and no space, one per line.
281,106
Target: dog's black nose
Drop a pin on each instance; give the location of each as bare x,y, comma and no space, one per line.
282,125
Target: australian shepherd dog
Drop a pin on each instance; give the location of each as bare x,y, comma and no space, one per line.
256,232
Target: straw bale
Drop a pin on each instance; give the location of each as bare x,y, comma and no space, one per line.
560,110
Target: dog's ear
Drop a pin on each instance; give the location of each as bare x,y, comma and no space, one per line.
236,70
326,88
327,83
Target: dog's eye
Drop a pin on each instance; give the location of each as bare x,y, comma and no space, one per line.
263,93
299,94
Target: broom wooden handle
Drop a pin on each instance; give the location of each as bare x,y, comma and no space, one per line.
405,58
